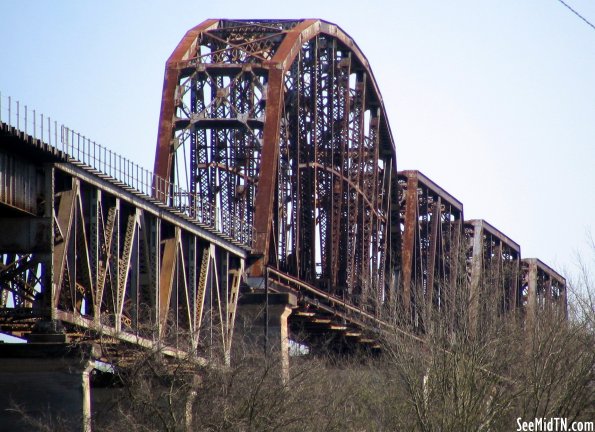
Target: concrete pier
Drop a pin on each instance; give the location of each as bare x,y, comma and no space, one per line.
47,383
261,325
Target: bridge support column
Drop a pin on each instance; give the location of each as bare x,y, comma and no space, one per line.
531,307
47,383
261,325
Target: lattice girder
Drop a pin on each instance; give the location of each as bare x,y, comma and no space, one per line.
281,125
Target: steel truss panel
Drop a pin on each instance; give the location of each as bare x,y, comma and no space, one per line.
280,123
542,289
493,267
431,220
112,264
157,209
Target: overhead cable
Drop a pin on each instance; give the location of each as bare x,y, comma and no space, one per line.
577,14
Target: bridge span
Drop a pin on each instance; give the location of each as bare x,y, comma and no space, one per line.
275,182
282,124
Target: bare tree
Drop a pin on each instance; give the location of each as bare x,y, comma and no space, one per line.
437,376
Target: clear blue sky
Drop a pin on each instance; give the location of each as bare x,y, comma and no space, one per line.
494,100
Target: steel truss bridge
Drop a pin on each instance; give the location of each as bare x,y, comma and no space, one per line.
275,166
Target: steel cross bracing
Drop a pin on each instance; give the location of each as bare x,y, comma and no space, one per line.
281,124
448,264
107,262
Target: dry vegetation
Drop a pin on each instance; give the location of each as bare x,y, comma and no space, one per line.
452,381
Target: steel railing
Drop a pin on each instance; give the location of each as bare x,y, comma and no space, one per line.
78,148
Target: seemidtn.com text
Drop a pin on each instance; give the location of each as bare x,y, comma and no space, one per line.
554,424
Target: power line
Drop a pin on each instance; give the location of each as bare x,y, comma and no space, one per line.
577,14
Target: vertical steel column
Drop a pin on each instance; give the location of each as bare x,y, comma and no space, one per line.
407,251
476,271
531,307
435,224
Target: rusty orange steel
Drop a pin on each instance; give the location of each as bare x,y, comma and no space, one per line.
281,125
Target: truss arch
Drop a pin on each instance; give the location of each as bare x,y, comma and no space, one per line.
281,125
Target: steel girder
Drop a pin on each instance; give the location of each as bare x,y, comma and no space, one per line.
433,255
280,123
431,220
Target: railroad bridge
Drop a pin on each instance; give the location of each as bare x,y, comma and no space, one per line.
275,196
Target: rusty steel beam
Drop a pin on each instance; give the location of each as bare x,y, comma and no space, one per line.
163,155
408,247
431,220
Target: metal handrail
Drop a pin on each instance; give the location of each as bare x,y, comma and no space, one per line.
78,148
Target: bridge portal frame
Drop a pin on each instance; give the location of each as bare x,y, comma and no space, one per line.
282,122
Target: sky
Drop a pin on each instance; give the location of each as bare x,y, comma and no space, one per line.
494,100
